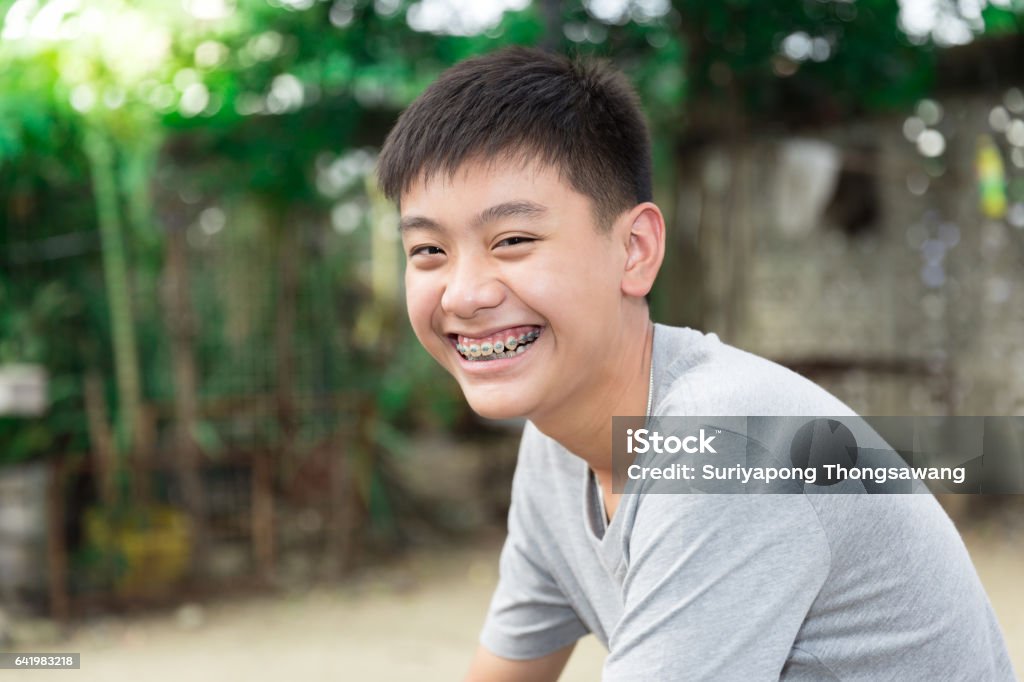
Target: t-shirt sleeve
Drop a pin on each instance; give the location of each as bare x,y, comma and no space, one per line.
717,588
530,615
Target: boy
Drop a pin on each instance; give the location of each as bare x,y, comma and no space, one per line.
524,186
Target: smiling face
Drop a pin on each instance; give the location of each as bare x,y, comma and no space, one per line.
511,255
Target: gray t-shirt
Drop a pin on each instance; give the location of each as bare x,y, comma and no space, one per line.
737,587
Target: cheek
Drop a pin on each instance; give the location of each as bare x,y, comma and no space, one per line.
420,302
589,274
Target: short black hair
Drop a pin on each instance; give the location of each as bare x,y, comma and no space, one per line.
579,115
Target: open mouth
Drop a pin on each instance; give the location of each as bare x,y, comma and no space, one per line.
504,345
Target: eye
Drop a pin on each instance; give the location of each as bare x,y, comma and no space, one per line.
512,241
425,251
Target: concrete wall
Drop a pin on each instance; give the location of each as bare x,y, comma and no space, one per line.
23,528
853,310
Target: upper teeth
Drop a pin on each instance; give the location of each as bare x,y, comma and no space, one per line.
496,349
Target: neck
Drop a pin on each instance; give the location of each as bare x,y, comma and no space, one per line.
620,388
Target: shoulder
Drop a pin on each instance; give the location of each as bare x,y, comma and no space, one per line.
702,376
732,523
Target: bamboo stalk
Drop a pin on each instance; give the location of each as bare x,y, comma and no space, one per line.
103,448
100,154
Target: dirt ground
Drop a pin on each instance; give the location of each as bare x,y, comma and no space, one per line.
416,620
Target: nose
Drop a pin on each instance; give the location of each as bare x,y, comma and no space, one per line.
471,287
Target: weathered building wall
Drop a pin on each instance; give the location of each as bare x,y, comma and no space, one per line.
858,312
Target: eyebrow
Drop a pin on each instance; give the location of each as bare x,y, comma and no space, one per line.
519,208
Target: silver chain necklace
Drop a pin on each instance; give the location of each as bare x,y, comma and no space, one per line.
650,386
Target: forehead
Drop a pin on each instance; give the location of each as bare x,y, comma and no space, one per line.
478,184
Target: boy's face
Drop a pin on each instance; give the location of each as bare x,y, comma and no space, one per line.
505,253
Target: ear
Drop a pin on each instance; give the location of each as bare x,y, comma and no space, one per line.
645,249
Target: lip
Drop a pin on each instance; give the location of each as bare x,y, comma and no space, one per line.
484,333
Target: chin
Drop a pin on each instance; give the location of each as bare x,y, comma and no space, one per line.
490,407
